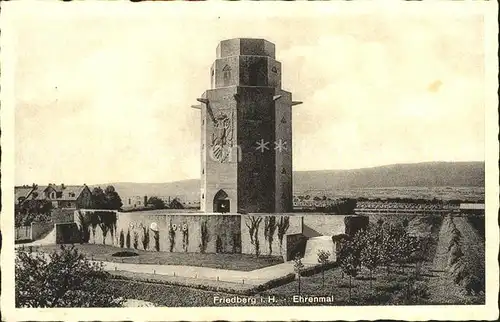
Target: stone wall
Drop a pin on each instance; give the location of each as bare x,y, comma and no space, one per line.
217,233
177,232
267,245
62,215
322,224
39,229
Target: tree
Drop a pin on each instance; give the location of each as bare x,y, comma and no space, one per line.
269,229
145,238
64,278
283,225
349,266
252,223
98,198
156,236
94,221
370,254
33,210
107,199
323,257
156,202
113,200
297,267
84,226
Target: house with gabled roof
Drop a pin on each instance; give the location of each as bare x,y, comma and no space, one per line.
22,192
61,196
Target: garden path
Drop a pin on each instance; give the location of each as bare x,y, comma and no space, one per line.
254,277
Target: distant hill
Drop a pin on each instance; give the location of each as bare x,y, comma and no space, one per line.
427,174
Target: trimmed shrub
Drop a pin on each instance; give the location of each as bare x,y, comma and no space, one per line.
171,236
122,239
313,270
136,239
205,237
218,245
127,240
145,238
124,254
156,236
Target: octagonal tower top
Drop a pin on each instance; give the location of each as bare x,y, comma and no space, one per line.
245,46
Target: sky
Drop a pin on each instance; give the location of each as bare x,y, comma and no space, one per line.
106,98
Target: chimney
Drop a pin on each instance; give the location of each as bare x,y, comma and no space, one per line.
145,200
62,186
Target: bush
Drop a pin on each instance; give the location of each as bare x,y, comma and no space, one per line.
353,224
124,254
65,278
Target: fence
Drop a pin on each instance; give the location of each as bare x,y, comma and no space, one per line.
23,232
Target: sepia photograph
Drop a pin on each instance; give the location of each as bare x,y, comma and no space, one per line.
310,157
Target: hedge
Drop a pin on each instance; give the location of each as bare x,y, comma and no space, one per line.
309,271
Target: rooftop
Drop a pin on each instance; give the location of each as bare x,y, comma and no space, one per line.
245,46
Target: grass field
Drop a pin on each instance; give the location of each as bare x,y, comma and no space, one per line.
240,262
394,288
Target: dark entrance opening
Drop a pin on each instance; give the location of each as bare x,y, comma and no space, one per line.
223,206
221,202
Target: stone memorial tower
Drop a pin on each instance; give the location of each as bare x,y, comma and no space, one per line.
246,132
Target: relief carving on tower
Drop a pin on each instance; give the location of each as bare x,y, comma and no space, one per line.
222,137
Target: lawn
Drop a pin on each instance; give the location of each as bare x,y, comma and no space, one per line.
384,289
163,295
397,287
240,262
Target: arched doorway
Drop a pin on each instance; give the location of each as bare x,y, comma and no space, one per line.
221,202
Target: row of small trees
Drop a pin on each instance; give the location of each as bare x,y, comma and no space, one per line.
89,221
380,245
461,266
271,226
126,240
